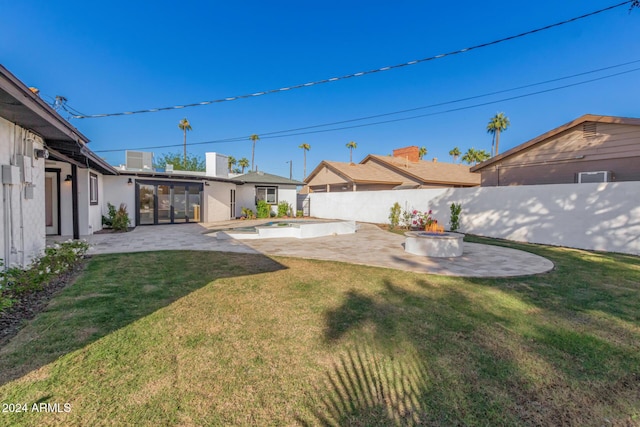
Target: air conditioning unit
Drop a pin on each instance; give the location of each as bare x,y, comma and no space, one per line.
139,160
168,168
599,176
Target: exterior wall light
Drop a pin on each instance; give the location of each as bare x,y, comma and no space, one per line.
129,182
68,178
41,154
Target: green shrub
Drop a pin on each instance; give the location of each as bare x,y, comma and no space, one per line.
283,209
57,260
299,213
394,215
263,209
456,209
121,219
406,219
107,221
247,213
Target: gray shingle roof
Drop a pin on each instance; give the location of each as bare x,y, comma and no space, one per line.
266,178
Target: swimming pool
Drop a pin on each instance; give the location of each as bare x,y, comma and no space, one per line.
297,229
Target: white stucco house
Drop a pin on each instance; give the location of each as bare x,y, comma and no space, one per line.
50,178
53,184
173,197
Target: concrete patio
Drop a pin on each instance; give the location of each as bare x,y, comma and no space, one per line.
369,246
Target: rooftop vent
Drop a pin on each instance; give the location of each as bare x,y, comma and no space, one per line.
139,160
589,129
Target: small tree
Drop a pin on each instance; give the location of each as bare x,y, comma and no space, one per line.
191,163
422,152
394,215
263,210
456,209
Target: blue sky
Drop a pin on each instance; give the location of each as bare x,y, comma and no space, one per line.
108,57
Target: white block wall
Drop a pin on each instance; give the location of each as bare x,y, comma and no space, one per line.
369,206
22,220
588,216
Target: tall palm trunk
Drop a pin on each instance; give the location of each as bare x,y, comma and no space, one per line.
305,163
184,159
497,141
253,149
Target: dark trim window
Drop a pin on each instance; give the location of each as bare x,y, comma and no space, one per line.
268,194
93,189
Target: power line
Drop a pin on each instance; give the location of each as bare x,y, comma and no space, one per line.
285,133
440,104
358,74
462,108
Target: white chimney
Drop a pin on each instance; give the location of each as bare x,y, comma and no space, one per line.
217,165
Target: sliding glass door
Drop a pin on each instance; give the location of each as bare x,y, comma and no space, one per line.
165,202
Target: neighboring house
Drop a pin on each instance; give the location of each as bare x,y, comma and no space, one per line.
273,189
51,180
403,170
589,149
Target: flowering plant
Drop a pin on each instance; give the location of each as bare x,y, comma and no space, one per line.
421,219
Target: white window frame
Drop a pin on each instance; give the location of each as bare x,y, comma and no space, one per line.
263,193
93,189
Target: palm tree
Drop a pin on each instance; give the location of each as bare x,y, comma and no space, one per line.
243,163
253,138
185,126
482,155
422,152
455,153
475,156
470,156
351,145
231,161
305,147
498,123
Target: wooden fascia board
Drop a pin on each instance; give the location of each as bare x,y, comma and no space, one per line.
554,132
22,94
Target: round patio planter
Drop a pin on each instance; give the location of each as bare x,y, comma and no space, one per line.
438,245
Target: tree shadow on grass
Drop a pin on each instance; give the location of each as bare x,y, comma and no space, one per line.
366,389
489,362
113,292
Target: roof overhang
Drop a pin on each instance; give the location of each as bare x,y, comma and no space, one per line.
176,175
553,132
76,153
24,108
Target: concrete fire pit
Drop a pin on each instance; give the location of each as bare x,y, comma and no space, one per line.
438,245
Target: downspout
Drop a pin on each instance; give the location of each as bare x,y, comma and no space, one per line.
7,211
7,227
22,187
74,202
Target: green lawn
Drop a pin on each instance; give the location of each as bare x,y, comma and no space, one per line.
205,338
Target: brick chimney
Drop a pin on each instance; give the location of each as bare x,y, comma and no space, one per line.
408,153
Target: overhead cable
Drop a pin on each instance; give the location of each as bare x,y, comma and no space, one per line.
358,74
287,133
